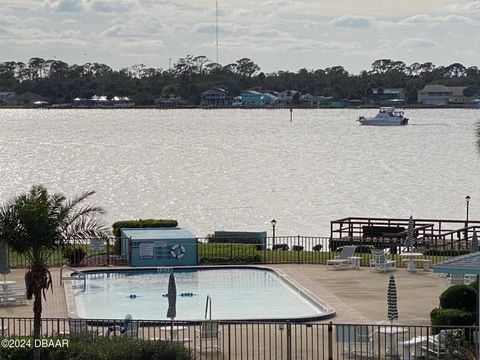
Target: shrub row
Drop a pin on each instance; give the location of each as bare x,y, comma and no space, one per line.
451,317
245,259
446,252
142,223
457,307
87,347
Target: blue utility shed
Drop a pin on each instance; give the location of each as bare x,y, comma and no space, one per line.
159,246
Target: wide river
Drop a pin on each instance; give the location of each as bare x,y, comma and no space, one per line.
238,169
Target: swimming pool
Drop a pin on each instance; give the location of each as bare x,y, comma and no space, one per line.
237,293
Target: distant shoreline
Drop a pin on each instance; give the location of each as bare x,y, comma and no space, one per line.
198,107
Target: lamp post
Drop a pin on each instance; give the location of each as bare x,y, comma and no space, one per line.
467,199
273,222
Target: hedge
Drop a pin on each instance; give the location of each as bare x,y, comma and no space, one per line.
446,252
242,259
88,347
142,223
451,317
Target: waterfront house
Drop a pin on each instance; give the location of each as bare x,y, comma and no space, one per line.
288,97
434,95
168,100
384,96
216,97
458,97
256,98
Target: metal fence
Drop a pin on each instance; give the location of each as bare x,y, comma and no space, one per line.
281,249
273,340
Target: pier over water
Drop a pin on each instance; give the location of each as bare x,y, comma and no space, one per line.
441,234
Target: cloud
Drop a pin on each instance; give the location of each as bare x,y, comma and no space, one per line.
64,5
102,6
465,7
416,43
357,22
435,20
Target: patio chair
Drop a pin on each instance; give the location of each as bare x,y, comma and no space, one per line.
456,279
358,340
207,336
443,343
75,326
128,328
380,261
344,260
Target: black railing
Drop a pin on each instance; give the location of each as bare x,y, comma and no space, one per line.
272,340
281,249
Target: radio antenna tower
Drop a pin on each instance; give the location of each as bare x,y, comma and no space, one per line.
216,27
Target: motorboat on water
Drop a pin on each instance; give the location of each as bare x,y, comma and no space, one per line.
386,116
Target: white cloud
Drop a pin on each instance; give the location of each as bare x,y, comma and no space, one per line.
435,20
349,21
103,6
416,43
472,6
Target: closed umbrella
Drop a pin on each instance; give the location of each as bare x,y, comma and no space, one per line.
392,312
410,239
172,300
474,247
4,265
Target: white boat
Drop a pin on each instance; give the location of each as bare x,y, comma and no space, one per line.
386,116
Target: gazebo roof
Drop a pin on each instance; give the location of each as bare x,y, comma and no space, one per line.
465,264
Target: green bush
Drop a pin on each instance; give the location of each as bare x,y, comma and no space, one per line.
142,223
74,255
445,252
244,259
451,317
317,247
459,297
86,347
297,247
283,247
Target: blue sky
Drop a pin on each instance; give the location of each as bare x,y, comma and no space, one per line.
276,34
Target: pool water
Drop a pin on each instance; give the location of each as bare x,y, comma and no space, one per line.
236,293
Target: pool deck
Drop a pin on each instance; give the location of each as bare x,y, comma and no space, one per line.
358,296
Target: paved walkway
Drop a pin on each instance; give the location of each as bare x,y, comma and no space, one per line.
358,296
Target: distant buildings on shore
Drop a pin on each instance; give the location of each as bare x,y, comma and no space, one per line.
431,95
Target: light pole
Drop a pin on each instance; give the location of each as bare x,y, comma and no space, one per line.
467,199
273,222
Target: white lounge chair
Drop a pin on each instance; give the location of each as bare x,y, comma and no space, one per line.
207,336
456,279
75,326
344,260
437,344
358,340
380,262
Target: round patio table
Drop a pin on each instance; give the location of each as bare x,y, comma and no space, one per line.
411,263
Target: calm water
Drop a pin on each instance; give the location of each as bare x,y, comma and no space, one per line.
238,169
234,294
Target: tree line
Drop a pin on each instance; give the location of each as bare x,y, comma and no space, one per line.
190,76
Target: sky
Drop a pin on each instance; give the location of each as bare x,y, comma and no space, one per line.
275,34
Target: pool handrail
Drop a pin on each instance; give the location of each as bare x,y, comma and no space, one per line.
80,275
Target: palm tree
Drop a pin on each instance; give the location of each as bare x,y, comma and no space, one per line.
36,224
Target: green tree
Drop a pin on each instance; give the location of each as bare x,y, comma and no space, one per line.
36,224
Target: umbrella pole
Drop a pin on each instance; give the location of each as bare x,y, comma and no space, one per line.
171,329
